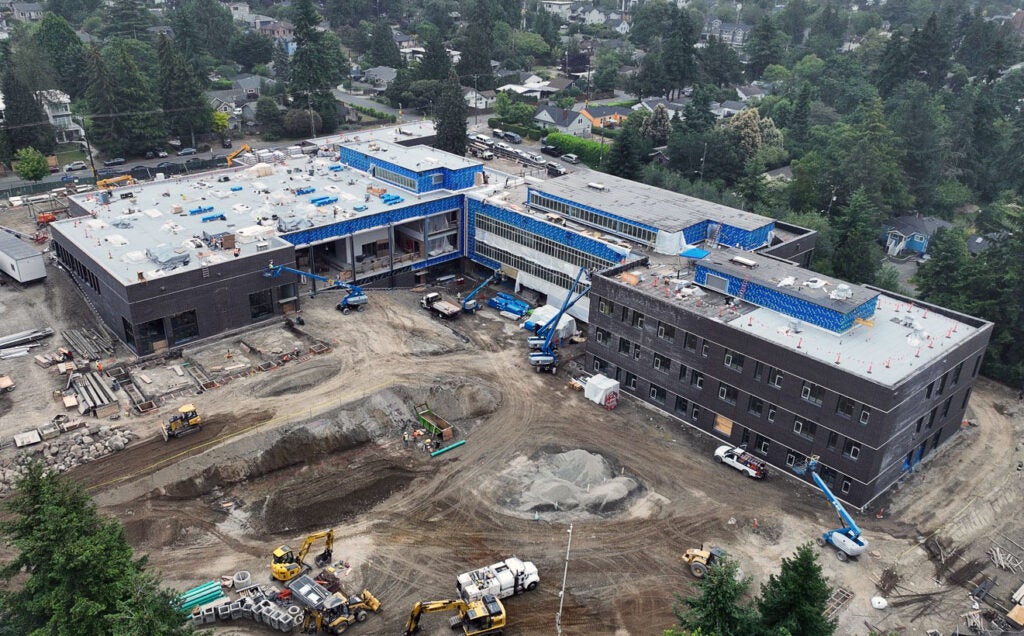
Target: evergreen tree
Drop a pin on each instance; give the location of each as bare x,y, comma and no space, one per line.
127,18
857,255
697,115
624,158
282,63
766,46
799,122
383,49
203,28
81,577
268,114
252,48
125,115
450,117
478,44
652,20
65,51
794,20
677,56
942,279
74,11
650,80
920,126
435,63
24,118
719,607
317,66
720,64
794,602
894,66
827,31
186,109
929,53
865,155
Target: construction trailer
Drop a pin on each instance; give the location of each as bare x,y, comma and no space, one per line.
19,260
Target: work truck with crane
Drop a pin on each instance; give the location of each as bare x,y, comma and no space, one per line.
847,541
543,355
355,299
501,579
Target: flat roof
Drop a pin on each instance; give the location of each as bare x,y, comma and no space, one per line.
788,279
168,213
899,340
16,248
413,158
665,210
402,133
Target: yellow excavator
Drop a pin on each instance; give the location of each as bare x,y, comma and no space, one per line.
241,149
113,182
485,616
287,565
185,421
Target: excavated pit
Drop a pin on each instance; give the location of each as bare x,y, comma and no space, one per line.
555,484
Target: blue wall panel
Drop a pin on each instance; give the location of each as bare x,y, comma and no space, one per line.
696,233
799,308
381,219
459,179
547,230
605,213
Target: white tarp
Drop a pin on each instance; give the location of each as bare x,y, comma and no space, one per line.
542,315
599,387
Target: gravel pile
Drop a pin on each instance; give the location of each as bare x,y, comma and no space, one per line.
573,480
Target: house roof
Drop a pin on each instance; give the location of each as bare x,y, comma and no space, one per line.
27,7
560,83
980,242
750,90
54,96
607,111
654,102
381,73
915,224
250,82
560,116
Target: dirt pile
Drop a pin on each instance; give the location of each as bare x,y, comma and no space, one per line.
575,480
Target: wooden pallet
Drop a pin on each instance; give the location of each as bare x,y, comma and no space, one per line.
840,599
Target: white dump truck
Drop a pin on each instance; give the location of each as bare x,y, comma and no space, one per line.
503,579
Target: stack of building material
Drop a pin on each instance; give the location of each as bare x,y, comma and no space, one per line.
254,604
201,595
18,344
88,344
95,396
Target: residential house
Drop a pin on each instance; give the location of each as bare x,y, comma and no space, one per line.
258,21
561,83
412,53
732,33
402,40
249,86
240,12
57,106
618,25
672,107
978,243
561,120
785,173
606,116
478,100
561,8
279,30
231,103
27,11
728,108
595,16
380,77
910,233
749,92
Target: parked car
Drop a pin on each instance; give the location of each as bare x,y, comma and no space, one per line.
141,173
186,151
550,150
76,165
116,161
168,167
484,139
741,460
156,153
505,147
513,137
225,143
535,158
570,158
109,173
556,169
194,163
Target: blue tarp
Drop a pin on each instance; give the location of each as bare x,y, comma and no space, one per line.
695,252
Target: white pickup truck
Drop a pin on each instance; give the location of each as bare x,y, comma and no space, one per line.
742,461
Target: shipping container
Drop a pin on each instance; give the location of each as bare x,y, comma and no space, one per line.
19,260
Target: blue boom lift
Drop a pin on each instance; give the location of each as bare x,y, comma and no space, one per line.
355,299
468,303
545,358
846,540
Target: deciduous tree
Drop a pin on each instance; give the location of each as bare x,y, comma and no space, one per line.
31,164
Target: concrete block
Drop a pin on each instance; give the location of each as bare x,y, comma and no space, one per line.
277,618
268,616
209,615
236,610
224,612
287,624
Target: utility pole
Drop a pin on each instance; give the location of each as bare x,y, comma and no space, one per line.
561,593
702,158
88,148
476,101
312,124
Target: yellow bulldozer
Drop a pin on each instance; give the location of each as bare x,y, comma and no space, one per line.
287,565
700,560
185,421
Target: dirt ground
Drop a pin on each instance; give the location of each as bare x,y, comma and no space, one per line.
317,443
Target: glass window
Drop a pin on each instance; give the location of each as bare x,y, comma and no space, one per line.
956,373
772,412
761,445
638,320
630,381
695,413
261,304
666,331
758,370
833,440
636,352
661,363
603,336
775,378
793,458
845,406
658,394
928,392
184,327
734,360
682,372
682,405
967,396
942,383
625,346
812,393
690,342
977,366
945,407
697,379
805,429
606,307
865,415
845,488
599,365
727,393
851,449
704,349
755,406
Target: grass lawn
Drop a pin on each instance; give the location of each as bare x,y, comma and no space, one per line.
66,153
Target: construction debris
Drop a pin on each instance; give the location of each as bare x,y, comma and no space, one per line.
890,579
25,337
1005,560
95,395
839,599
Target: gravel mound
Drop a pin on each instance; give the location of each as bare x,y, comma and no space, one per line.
575,480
